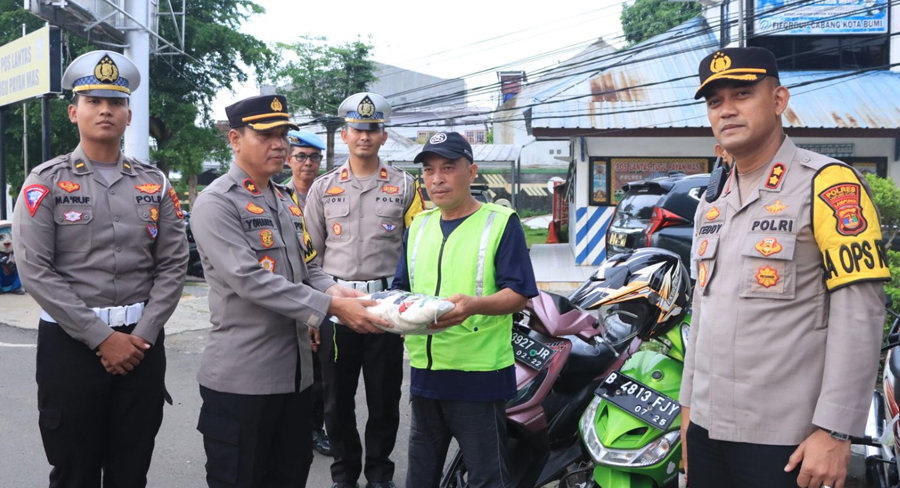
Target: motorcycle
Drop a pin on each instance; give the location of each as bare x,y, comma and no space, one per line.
632,427
562,355
882,435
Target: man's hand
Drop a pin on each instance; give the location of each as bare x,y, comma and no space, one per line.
315,338
823,461
463,309
685,423
352,313
121,353
344,291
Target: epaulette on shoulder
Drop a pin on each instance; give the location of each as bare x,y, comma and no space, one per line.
57,162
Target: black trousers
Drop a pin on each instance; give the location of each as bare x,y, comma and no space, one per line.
256,441
318,392
343,353
92,421
721,464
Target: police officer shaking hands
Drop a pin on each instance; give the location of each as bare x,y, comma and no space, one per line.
101,246
788,306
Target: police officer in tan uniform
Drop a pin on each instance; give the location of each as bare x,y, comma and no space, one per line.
357,215
788,305
101,246
257,367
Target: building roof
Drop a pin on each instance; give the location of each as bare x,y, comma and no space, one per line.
652,85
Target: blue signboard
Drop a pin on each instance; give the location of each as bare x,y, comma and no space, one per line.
820,17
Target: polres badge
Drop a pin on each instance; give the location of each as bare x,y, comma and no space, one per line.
843,199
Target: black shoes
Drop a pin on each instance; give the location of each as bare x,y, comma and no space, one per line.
323,445
383,484
342,484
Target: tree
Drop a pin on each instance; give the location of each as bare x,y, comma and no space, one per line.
647,18
321,77
887,198
183,87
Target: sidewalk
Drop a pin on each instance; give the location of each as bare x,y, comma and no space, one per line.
192,312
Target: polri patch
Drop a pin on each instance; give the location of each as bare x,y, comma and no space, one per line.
843,198
267,263
73,216
148,188
153,231
255,209
768,246
267,238
337,229
250,186
775,176
34,195
767,276
68,186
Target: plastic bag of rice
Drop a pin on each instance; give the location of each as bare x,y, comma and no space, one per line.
409,313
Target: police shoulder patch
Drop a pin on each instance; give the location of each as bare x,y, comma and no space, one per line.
845,225
34,195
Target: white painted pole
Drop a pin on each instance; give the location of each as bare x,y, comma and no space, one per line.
137,135
24,130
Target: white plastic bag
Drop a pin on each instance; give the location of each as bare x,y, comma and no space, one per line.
409,313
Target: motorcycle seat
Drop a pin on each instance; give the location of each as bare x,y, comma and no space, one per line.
588,361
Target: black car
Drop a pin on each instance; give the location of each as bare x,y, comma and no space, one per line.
657,212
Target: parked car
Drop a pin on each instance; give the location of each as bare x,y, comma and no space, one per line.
657,212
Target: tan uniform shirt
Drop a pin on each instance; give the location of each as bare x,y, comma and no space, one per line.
262,295
82,242
788,308
357,226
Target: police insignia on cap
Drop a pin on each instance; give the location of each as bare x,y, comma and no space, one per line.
106,70
720,62
276,105
366,108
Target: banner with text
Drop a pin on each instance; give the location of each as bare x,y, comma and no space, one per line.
820,17
31,66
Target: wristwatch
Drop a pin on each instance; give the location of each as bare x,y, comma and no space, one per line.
838,436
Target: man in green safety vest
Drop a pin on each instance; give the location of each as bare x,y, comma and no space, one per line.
474,254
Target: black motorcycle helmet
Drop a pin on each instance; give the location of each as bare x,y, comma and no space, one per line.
648,287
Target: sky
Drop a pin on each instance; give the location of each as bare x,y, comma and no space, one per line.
444,39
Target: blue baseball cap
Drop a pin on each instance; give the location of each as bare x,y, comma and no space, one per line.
302,138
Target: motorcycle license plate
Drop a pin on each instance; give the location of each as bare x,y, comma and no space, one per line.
530,352
616,239
639,400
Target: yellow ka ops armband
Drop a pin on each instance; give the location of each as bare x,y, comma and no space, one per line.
847,228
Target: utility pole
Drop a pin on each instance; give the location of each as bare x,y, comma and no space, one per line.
137,135
741,37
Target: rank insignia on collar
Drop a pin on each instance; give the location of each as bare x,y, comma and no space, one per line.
776,207
295,210
701,275
72,216
267,263
79,164
149,188
390,189
334,190
126,165
153,231
389,227
712,214
267,237
774,178
177,203
154,214
767,276
34,195
250,186
254,209
702,249
68,186
337,229
383,174
843,198
768,246
345,174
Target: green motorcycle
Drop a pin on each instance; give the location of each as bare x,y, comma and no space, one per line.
632,428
